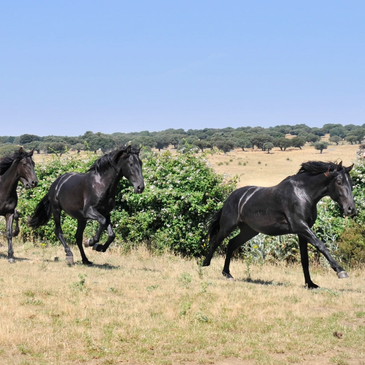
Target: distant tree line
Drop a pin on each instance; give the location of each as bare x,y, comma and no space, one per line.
224,139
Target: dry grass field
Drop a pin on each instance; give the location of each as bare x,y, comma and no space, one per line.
255,167
136,308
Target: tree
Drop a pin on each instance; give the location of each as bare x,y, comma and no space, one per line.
243,143
351,139
202,144
56,147
144,141
312,138
28,138
335,139
101,141
338,131
225,145
320,146
162,141
78,147
298,142
268,146
282,143
258,140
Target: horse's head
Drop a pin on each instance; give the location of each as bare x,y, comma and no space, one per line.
131,167
340,189
25,169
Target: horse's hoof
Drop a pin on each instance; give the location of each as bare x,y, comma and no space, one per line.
70,260
87,243
11,260
88,263
205,263
342,275
228,276
98,248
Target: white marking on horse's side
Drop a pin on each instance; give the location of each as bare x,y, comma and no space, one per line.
300,193
63,179
247,196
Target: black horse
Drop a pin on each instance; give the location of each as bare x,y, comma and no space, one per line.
90,195
289,207
15,167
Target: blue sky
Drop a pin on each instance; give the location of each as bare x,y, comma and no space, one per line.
68,67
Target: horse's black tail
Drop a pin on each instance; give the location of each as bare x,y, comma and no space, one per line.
42,213
214,224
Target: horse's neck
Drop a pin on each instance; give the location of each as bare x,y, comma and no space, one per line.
316,186
9,179
109,180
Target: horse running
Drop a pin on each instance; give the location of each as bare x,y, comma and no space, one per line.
89,195
15,167
289,207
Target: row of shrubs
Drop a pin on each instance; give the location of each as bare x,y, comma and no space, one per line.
182,192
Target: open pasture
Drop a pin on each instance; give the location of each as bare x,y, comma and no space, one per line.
256,167
137,308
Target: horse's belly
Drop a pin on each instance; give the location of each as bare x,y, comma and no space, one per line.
272,225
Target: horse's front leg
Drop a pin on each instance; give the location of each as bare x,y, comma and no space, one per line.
93,214
303,246
81,224
9,235
111,237
16,220
321,247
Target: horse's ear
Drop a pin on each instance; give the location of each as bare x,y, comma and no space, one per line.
339,166
21,150
31,153
138,150
129,148
348,169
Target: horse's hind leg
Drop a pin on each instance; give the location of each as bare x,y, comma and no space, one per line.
9,235
246,233
79,233
215,242
59,235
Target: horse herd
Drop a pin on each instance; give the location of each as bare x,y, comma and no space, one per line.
289,207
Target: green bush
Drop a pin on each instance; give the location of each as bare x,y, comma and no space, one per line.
182,191
351,245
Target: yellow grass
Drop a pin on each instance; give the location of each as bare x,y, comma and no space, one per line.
141,309
255,167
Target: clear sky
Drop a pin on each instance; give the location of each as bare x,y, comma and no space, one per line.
71,66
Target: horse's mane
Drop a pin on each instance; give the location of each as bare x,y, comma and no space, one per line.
105,162
317,167
7,160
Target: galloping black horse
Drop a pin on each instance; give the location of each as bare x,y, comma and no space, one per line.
19,166
90,195
289,207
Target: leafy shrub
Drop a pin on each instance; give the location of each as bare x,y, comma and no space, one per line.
181,192
351,245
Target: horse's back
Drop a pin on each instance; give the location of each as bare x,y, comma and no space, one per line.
68,192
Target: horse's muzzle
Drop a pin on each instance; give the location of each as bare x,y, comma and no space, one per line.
139,189
30,185
350,211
